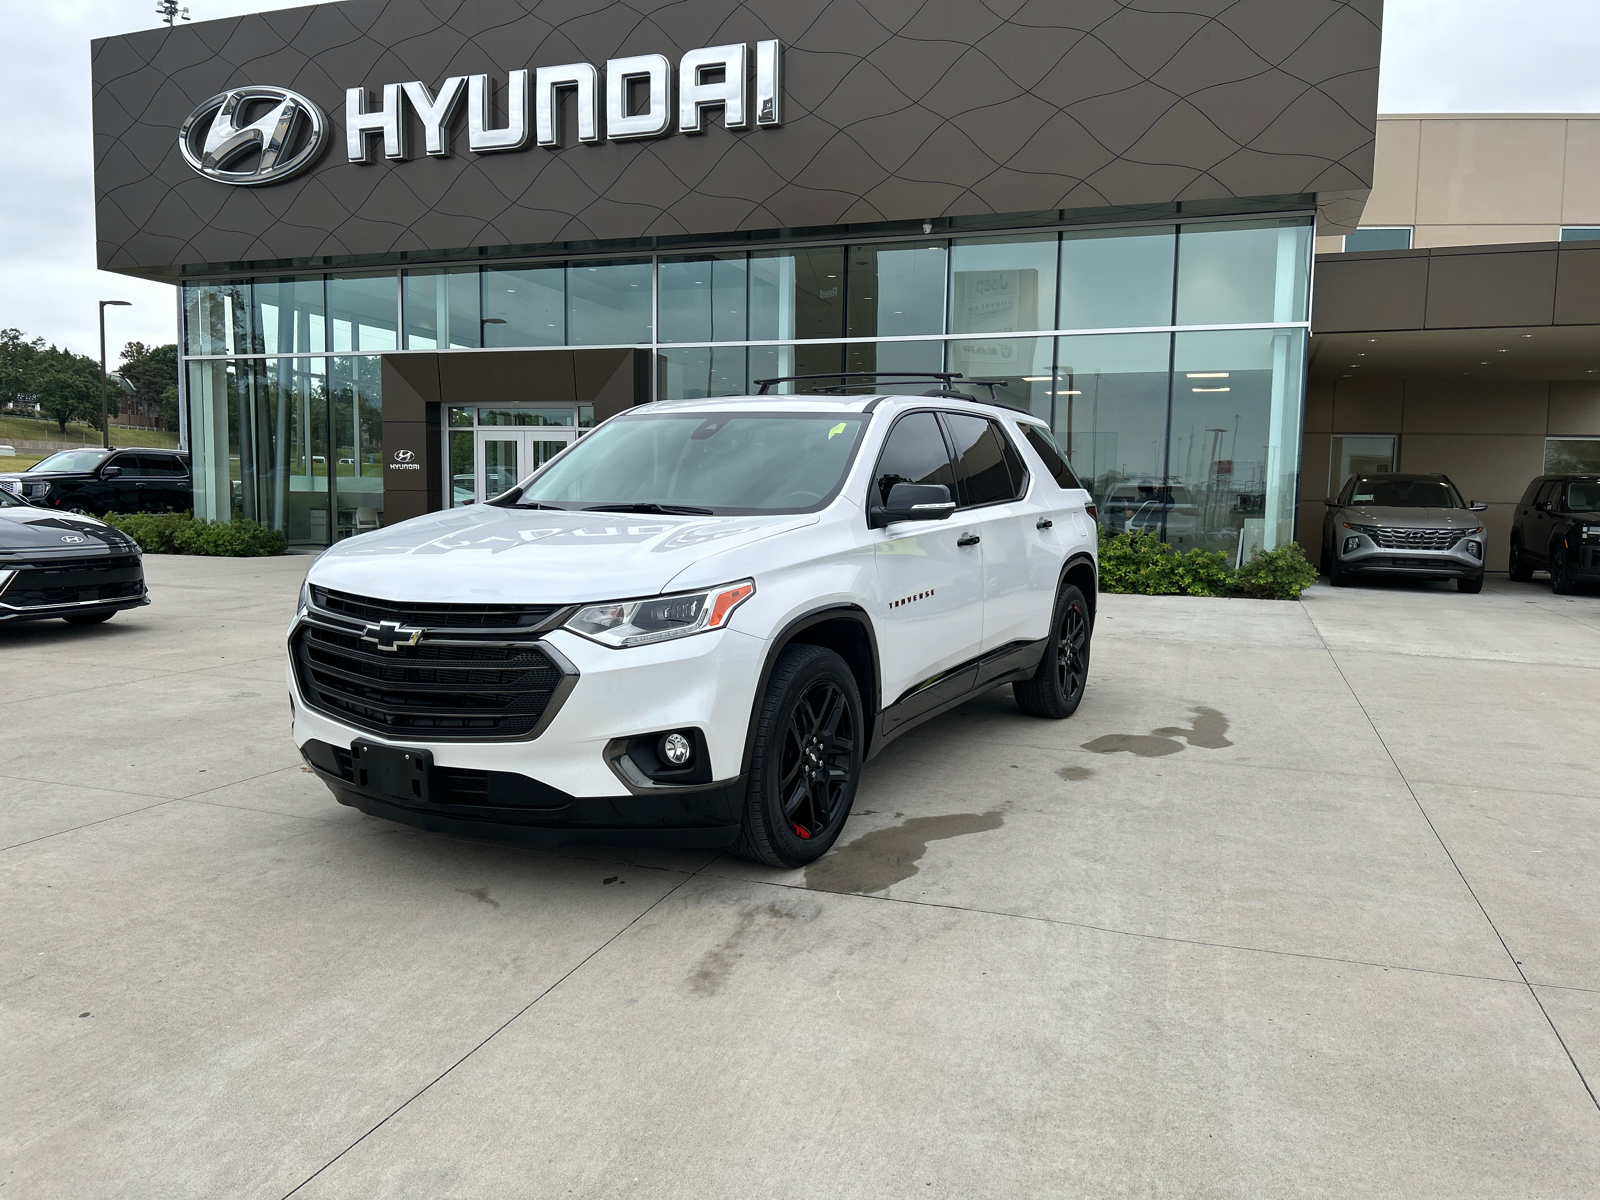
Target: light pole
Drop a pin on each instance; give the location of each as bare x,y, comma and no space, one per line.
105,415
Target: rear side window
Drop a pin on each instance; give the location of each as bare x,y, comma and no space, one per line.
165,466
984,461
1527,496
1055,462
130,464
1549,490
915,453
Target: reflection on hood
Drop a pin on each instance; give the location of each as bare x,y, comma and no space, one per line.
39,529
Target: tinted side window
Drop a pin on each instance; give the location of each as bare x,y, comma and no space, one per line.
1054,461
914,453
131,465
982,476
1548,491
167,466
1527,496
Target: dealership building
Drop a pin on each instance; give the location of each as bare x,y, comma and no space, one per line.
420,248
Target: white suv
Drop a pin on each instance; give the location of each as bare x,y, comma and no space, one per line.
694,625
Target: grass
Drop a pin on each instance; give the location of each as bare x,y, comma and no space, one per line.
20,462
16,429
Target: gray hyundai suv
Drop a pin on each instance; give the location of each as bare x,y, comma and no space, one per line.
1415,525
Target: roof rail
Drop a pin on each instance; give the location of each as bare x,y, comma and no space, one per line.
945,379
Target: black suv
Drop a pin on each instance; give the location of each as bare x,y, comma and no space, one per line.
1557,527
95,481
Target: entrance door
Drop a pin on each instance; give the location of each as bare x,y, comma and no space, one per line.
504,456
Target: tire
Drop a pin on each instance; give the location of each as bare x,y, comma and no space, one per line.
810,713
90,618
79,510
1560,576
1517,565
1325,567
1338,576
1471,586
1057,686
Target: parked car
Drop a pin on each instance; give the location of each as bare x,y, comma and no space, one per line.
1408,525
73,567
694,625
94,481
1557,528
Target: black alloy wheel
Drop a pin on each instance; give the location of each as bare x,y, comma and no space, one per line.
1057,686
1560,572
806,759
1517,565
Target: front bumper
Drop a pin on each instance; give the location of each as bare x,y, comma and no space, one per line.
1368,558
64,584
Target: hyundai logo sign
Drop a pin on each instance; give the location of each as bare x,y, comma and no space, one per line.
252,135
404,455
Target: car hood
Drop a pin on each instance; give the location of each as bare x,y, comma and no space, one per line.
1412,518
44,529
483,554
47,475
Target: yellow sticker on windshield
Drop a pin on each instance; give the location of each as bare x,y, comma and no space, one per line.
837,429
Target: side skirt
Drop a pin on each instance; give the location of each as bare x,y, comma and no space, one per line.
1005,664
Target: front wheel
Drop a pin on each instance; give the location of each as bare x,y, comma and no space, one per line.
1469,584
1560,572
1056,689
90,618
1517,565
805,762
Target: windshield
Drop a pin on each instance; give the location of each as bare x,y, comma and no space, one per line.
1584,497
733,463
72,460
1406,493
7,500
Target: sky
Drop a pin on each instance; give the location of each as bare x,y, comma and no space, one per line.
1438,56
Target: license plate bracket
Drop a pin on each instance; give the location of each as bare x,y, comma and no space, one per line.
395,771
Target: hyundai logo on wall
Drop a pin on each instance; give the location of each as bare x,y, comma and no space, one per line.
404,460
253,135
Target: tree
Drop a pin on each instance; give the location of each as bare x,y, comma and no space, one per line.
68,387
18,365
151,370
169,407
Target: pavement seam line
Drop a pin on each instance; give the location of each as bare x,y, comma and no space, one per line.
1129,933
1471,891
114,817
578,966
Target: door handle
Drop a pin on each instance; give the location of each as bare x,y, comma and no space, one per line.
968,539
1044,523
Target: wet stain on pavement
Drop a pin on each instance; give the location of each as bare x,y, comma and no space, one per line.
1075,774
1208,730
711,973
479,894
885,857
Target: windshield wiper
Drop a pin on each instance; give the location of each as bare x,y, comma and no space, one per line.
536,504
650,506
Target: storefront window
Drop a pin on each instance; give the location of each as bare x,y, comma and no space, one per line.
1003,285
609,303
1246,272
216,318
825,359
1110,413
797,294
896,356
355,456
896,290
289,486
216,403
694,372
1117,278
442,310
1022,364
363,312
525,306
1236,438
562,415
289,316
703,299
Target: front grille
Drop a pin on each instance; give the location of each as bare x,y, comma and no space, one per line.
115,577
434,691
1416,539
443,616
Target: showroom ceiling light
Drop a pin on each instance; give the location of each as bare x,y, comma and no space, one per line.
1209,389
1207,375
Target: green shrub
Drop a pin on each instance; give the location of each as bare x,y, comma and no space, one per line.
1141,564
1144,565
179,533
1280,574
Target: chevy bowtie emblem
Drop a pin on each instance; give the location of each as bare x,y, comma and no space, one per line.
390,635
252,135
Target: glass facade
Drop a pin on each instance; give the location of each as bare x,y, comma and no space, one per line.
1169,358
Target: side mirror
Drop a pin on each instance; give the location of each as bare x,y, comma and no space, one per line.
110,472
1331,502
1478,506
913,502
1541,506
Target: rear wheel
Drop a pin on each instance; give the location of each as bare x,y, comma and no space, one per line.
1517,563
1056,689
1560,572
1473,585
805,762
90,618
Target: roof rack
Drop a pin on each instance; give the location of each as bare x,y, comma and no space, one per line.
945,379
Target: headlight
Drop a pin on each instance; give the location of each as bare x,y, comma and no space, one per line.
305,595
1591,531
1361,528
660,618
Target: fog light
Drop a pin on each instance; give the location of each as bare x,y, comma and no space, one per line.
1475,549
1351,544
676,749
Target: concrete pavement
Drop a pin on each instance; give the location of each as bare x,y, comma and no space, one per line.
1302,902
